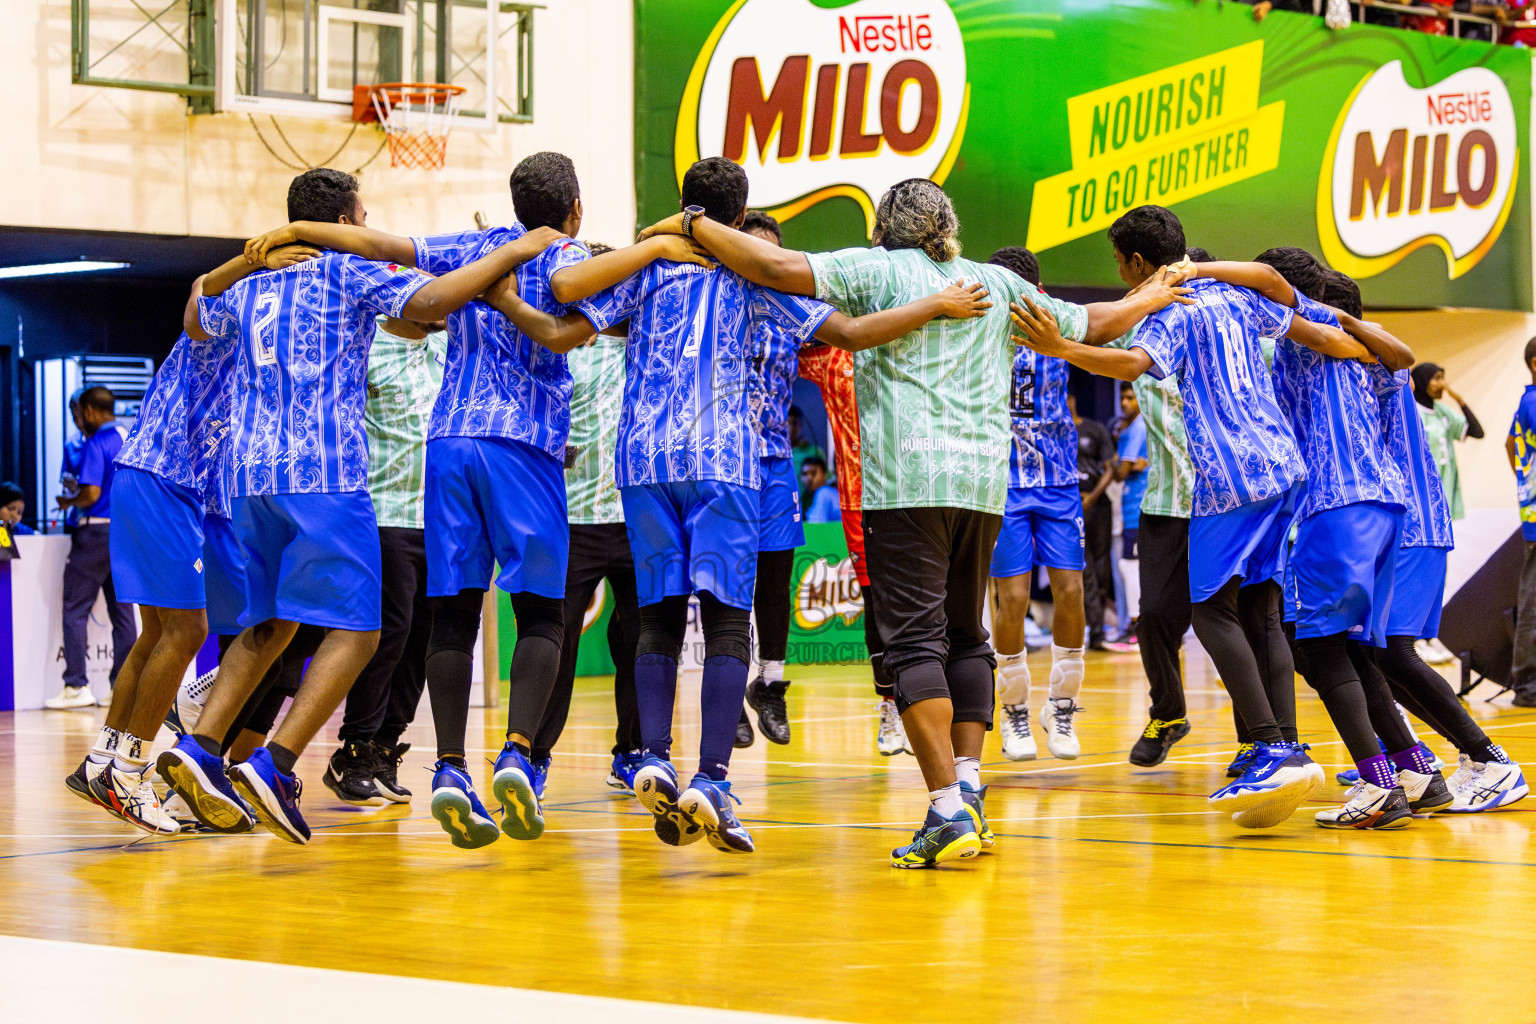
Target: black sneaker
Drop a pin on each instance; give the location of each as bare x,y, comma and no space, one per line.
386,772
1156,740
1525,699
767,699
350,775
744,734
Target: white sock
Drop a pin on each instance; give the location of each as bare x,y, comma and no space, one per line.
1013,678
772,671
106,746
1067,670
197,689
1130,575
968,771
132,754
946,802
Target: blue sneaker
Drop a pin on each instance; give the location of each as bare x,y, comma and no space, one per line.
976,802
938,841
540,775
707,804
655,785
1348,777
1241,761
513,787
459,810
622,774
199,777
273,796
1276,772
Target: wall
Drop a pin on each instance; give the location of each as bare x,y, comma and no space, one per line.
114,159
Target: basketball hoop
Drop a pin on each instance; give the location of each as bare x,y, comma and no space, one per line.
417,117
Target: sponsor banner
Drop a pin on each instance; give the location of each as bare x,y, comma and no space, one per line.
1395,156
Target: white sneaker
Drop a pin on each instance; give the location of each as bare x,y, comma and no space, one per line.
180,812
1056,721
892,738
1368,806
131,796
1433,652
1483,787
1018,743
188,706
73,697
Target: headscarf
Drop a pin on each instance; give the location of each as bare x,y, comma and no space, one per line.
1422,375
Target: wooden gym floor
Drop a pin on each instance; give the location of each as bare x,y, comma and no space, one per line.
1114,893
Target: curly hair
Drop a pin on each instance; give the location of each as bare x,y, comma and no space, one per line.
917,214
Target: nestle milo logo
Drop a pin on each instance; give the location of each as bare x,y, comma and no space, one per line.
817,103
1408,167
824,591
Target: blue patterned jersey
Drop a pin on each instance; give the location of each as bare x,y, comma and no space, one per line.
1426,512
778,361
1044,449
1240,444
183,416
300,370
498,382
689,411
1336,417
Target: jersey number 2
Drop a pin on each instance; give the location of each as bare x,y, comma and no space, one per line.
264,330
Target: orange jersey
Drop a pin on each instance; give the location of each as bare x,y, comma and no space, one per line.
831,370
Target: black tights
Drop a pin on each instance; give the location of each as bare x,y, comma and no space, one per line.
1358,702
1239,627
1426,694
771,603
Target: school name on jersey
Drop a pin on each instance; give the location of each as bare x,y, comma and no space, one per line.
1158,138
1410,167
818,103
954,446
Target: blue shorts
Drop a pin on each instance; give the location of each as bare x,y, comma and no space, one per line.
778,505
693,536
1041,526
223,575
1418,593
310,558
157,541
493,501
1249,541
1343,562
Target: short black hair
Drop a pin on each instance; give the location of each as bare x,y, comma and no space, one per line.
1199,255
544,190
322,194
1341,292
1299,268
719,185
1019,260
99,398
10,492
1530,351
1152,232
1125,386
813,460
598,248
757,220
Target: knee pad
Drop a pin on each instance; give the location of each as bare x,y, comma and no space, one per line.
539,617
969,675
661,628
456,623
1327,662
727,630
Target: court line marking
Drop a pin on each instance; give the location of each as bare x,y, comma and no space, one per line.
42,980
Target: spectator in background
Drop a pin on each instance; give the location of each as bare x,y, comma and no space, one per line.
817,497
1521,445
1095,470
1519,22
802,446
69,465
1444,425
1131,467
13,506
88,571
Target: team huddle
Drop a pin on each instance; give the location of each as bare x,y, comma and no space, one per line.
319,472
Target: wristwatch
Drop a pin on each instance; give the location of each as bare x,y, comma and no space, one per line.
689,213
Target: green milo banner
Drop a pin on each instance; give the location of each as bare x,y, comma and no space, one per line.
826,620
1397,157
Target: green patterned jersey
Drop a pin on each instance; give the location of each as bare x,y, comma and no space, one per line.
1170,474
933,405
597,392
403,380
